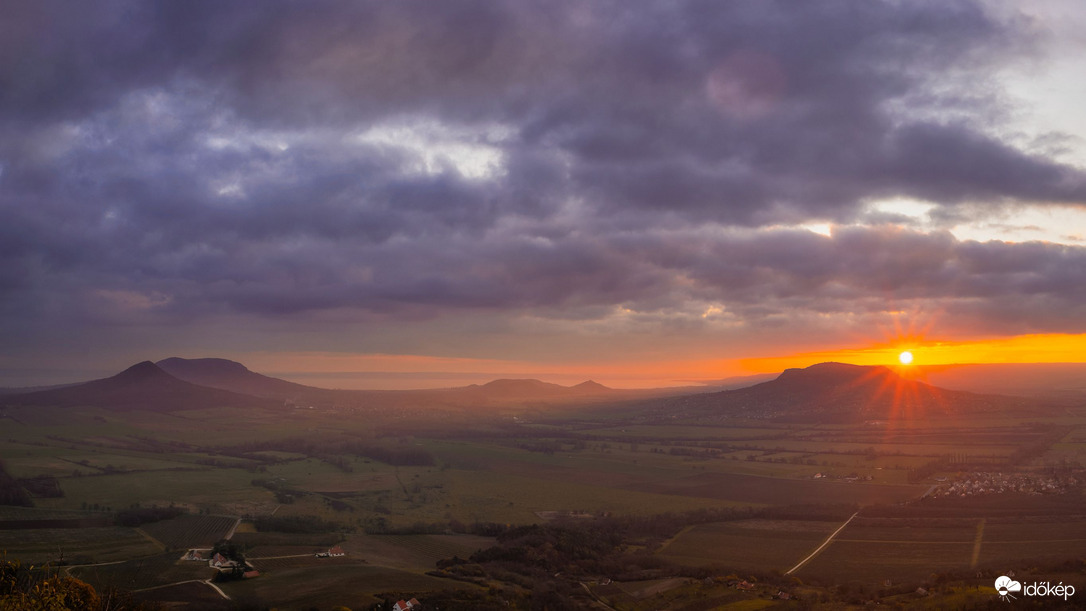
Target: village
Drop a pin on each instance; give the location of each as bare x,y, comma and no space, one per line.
982,483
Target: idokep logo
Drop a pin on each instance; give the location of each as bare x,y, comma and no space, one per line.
1005,586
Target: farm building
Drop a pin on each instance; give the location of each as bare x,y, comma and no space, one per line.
218,561
412,604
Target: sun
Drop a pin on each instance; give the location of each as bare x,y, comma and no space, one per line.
905,357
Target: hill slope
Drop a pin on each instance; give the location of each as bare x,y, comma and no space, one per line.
141,386
233,376
835,392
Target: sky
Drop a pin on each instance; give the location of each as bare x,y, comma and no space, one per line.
406,194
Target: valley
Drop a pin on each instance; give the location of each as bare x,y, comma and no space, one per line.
693,498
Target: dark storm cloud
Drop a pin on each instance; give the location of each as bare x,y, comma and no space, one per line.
168,161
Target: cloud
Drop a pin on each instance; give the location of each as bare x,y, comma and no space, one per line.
568,160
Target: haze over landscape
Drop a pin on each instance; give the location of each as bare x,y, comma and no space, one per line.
541,305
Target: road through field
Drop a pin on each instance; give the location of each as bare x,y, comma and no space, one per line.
821,547
177,583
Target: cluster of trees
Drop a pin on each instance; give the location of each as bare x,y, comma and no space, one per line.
295,524
11,491
926,470
411,456
136,516
42,486
333,454
283,494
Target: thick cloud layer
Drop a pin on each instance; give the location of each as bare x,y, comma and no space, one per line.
164,164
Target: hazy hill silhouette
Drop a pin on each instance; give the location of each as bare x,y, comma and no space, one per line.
531,389
142,386
236,377
233,376
836,392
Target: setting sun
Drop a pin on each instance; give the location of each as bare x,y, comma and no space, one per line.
905,357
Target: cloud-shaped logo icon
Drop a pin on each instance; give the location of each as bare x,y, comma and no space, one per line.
1005,585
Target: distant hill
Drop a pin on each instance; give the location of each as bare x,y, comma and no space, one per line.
142,386
235,377
529,390
834,392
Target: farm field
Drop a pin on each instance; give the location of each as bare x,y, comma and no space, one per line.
873,562
875,553
146,572
413,552
777,491
188,531
763,545
300,468
323,586
79,545
196,595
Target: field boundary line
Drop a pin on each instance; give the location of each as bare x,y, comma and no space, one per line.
977,542
168,585
217,589
900,541
595,597
160,545
682,532
233,528
821,547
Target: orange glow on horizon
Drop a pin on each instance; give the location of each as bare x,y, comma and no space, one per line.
1040,348
332,369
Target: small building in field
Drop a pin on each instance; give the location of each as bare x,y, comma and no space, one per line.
336,552
218,561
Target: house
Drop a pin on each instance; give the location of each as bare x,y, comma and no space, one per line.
194,554
406,606
218,561
336,552
744,585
